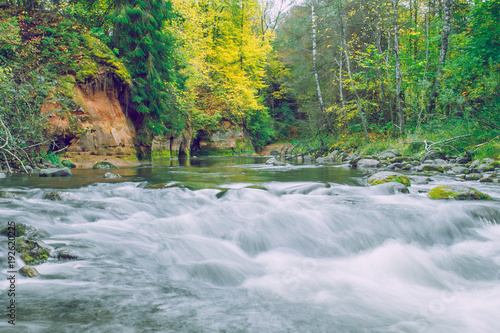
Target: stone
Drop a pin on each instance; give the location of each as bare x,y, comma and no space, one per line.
31,251
475,164
109,175
473,176
388,176
420,180
485,167
28,271
367,163
22,229
459,170
2,175
389,154
353,156
307,158
55,172
463,159
63,255
272,160
432,155
431,167
495,164
457,192
54,196
103,165
68,164
392,188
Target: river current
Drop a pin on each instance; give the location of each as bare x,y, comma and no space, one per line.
235,245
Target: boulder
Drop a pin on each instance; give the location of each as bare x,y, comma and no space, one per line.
485,167
109,175
55,172
28,271
103,165
54,196
457,192
68,164
367,163
459,170
392,188
495,164
388,176
473,176
389,154
307,158
24,230
432,155
463,159
272,160
31,251
431,167
2,175
420,180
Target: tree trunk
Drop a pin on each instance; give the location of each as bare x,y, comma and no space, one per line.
400,111
348,63
442,53
315,67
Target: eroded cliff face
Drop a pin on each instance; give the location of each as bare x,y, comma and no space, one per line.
97,129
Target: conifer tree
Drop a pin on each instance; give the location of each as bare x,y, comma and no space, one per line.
149,52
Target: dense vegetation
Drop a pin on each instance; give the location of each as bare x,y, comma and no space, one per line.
348,74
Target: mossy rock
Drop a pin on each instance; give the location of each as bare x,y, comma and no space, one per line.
31,252
68,164
432,167
387,176
256,187
495,164
28,271
54,196
457,192
103,165
19,231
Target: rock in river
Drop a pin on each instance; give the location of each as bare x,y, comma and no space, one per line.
388,176
457,192
55,172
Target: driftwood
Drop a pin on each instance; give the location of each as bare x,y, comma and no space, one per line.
7,147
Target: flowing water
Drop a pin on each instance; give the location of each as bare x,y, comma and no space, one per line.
234,245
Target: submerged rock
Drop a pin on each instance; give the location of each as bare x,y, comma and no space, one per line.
28,271
103,165
55,172
109,175
24,230
457,192
388,176
54,196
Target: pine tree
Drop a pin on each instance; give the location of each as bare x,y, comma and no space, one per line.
149,52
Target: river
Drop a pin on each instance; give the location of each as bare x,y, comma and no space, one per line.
235,245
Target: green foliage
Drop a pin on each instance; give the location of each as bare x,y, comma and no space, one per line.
149,52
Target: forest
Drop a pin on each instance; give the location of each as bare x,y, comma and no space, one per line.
332,74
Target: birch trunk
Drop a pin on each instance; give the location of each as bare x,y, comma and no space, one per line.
315,67
400,111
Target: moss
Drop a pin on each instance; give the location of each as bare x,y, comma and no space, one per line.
103,165
495,164
68,164
19,231
457,193
430,167
31,252
391,178
161,154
